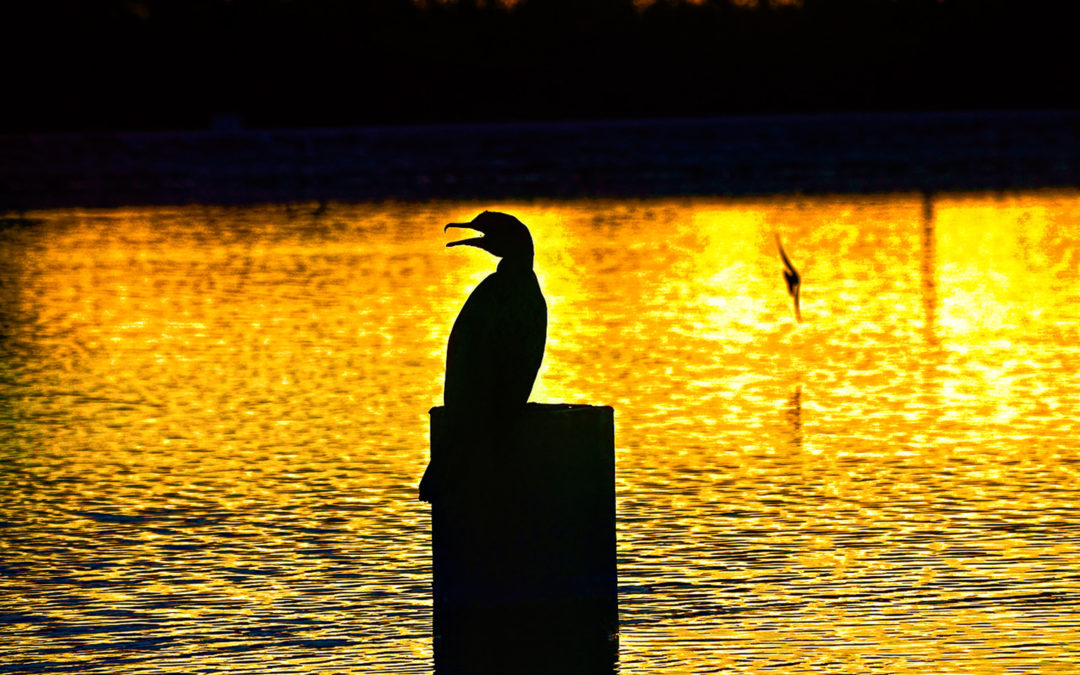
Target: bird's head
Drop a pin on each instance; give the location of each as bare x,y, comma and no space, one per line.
503,235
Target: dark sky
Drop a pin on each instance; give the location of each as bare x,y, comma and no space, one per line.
166,64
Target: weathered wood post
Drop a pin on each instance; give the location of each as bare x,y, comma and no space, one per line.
524,565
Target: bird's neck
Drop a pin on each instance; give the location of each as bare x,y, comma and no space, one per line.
516,264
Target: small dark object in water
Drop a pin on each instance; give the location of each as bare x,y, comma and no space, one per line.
791,276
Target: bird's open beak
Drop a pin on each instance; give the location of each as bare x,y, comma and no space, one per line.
471,241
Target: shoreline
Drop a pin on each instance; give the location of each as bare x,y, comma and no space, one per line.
738,156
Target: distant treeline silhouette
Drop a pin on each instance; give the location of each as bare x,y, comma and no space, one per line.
145,64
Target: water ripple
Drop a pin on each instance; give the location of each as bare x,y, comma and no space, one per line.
213,422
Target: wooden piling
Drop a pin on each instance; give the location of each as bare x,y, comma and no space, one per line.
524,548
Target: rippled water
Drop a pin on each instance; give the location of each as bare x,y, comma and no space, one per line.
212,423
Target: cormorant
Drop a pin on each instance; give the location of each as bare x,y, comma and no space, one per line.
791,276
496,344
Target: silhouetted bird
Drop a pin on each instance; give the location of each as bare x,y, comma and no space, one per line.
497,342
791,276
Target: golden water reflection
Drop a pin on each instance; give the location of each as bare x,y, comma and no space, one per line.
214,421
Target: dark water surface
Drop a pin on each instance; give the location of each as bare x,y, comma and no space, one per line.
213,420
733,156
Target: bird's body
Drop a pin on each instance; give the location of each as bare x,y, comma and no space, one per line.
791,276
496,345
493,354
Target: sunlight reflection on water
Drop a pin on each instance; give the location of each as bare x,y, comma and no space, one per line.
214,421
